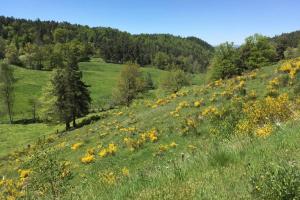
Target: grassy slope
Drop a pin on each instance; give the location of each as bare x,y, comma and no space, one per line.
217,169
101,76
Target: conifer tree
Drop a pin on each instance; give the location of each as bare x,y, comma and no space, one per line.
71,95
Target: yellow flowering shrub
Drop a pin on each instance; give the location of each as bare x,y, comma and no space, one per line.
160,102
76,145
252,95
264,131
109,178
128,130
103,153
112,148
88,158
274,82
24,173
191,122
211,110
292,67
173,145
213,97
198,103
163,148
218,83
268,110
152,135
244,127
183,104
261,114
119,113
11,189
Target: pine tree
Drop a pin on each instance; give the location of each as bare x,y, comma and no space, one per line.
77,90
72,97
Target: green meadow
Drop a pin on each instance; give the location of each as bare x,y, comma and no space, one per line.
178,164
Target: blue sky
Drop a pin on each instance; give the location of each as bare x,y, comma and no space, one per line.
215,21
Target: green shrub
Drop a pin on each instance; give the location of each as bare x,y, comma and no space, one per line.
174,81
225,62
277,182
129,85
283,80
297,85
225,121
49,177
221,158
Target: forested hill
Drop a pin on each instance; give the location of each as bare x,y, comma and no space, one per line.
286,41
31,43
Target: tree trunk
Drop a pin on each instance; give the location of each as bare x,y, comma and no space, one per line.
74,122
9,109
10,116
67,125
34,113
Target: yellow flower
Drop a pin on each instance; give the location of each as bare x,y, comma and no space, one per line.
112,149
173,145
88,159
125,171
103,153
210,110
192,147
163,148
183,104
109,178
173,96
274,82
91,151
119,113
152,135
24,173
143,137
197,103
264,131
190,122
76,146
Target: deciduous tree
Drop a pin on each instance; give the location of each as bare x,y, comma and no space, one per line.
7,82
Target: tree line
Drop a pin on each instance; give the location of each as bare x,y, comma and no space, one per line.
35,44
257,51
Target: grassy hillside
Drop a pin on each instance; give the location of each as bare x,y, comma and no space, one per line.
215,141
100,75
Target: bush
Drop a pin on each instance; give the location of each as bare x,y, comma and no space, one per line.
131,82
174,81
49,177
277,182
297,85
225,62
257,52
283,80
225,120
149,85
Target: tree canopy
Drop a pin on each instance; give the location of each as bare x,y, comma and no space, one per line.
35,44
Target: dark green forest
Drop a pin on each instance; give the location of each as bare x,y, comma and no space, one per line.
38,44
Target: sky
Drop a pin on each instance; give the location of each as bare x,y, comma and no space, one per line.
215,21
